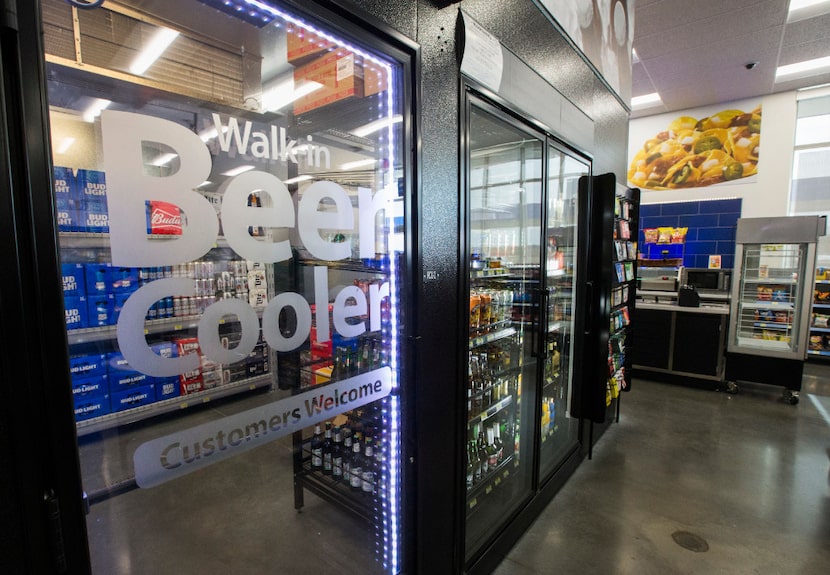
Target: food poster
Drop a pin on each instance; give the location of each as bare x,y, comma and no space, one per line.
603,30
695,149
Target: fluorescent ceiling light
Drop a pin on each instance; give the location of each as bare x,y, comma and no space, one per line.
303,178
164,159
372,127
66,143
357,164
238,170
804,9
803,69
210,133
94,110
646,100
284,93
156,47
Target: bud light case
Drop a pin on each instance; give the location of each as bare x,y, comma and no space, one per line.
63,183
163,218
100,310
121,374
90,365
74,279
68,220
166,387
90,387
91,406
92,188
132,397
97,279
95,219
75,308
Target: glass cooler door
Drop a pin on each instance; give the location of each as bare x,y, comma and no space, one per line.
558,429
505,207
769,308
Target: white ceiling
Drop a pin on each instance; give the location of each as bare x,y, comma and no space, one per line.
694,52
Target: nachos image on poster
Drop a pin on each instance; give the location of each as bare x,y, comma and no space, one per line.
693,153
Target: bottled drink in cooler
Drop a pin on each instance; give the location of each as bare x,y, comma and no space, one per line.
337,454
317,448
356,479
368,473
327,450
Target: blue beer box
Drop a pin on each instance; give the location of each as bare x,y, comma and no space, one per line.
106,278
123,279
97,278
76,312
100,310
165,349
63,183
74,279
121,374
94,219
92,187
167,387
132,397
68,220
87,407
84,366
90,386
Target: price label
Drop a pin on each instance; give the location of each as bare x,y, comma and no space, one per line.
497,482
488,490
178,327
146,331
506,473
473,503
183,405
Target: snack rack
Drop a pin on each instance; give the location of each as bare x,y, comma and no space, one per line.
770,304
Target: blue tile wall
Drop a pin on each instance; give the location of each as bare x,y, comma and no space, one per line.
711,224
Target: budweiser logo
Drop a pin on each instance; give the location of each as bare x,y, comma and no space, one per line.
165,219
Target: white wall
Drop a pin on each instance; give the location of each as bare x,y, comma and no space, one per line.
765,194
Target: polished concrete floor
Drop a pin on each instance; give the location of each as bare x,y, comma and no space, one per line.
690,481
694,481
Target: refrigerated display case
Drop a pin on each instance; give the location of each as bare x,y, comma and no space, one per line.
522,250
770,304
230,198
819,343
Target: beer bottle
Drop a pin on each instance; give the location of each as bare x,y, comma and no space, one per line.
337,454
483,456
497,442
356,479
368,473
317,448
472,453
471,468
347,455
327,450
492,452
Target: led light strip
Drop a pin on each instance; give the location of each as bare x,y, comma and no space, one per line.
390,528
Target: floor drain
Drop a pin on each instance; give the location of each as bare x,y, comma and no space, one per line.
690,541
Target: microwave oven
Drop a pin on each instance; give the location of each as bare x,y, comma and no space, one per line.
706,279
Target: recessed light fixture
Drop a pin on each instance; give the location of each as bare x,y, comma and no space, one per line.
377,125
154,49
303,178
646,101
164,159
94,110
238,170
284,93
803,69
803,9
358,164
65,144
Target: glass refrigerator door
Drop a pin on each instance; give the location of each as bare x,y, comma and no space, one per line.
232,272
506,166
558,429
770,299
